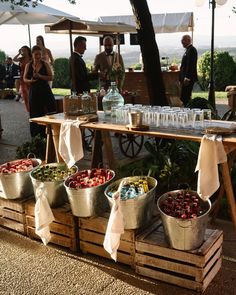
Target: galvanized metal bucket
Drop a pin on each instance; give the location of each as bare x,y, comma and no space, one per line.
187,234
54,190
138,211
87,202
17,185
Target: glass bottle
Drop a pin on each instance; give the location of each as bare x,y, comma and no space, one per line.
71,105
112,99
85,102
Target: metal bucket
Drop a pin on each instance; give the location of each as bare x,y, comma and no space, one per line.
17,185
137,212
87,202
187,234
54,190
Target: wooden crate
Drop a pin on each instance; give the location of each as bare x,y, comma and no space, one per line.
64,230
188,269
91,236
12,214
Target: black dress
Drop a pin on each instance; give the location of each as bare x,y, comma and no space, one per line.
41,99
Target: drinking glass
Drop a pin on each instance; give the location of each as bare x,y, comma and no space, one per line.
182,119
198,119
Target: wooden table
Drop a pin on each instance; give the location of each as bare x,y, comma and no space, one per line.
103,128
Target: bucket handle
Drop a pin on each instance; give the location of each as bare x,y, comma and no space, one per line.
189,223
31,156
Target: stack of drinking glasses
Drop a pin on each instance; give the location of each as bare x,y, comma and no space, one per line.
161,116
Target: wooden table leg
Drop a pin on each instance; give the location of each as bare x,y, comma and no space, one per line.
50,151
97,158
229,191
55,137
108,150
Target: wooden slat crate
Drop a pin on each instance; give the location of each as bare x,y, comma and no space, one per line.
91,236
64,230
12,214
189,269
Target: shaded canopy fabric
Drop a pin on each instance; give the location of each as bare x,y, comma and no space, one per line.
40,14
78,26
162,23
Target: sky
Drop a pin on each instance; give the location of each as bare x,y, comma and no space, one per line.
14,36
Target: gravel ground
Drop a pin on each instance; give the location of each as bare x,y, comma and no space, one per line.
29,268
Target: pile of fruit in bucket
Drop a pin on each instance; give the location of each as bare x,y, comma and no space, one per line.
89,178
131,189
184,205
17,166
53,173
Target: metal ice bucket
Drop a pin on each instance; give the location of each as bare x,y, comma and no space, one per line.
187,234
17,185
54,190
137,212
87,202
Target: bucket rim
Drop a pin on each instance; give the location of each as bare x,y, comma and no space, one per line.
86,188
39,161
136,198
187,219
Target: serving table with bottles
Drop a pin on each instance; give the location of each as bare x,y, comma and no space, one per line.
104,126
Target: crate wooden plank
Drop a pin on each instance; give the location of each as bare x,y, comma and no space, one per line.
11,224
153,241
100,251
61,214
55,238
58,228
190,269
16,204
6,213
97,238
99,224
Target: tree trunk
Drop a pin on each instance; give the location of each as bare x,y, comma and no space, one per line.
150,52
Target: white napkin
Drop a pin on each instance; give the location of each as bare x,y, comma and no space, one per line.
70,142
43,215
115,226
211,154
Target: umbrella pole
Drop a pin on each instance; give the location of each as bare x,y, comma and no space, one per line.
29,36
70,36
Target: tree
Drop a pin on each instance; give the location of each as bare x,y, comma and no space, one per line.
61,73
150,52
225,70
149,49
2,56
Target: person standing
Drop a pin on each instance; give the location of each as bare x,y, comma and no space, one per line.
188,69
23,57
77,67
110,65
11,73
41,99
46,53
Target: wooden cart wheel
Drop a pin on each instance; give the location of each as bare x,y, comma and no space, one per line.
130,144
87,137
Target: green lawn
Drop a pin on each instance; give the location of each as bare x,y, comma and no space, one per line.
218,95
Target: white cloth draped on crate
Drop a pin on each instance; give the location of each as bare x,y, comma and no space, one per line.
211,153
70,142
115,226
43,215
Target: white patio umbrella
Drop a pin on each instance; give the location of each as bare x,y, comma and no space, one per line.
19,15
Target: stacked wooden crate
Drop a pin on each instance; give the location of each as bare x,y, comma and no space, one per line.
188,269
12,214
64,229
91,236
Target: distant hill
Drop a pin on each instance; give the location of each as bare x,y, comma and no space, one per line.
169,46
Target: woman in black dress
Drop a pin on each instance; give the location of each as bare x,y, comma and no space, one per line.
41,99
